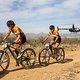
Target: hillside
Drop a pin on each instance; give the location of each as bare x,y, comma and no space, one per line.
67,35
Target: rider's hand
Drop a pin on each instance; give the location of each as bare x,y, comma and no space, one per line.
2,40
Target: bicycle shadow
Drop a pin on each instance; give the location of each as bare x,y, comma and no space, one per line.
63,62
2,74
37,65
67,61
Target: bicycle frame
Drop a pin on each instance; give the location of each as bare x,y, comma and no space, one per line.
5,47
10,46
47,46
3,52
46,53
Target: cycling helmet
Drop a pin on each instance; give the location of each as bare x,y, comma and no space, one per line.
10,23
51,27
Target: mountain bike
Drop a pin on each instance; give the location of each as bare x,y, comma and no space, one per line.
26,58
46,53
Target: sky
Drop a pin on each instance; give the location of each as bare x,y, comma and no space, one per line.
35,16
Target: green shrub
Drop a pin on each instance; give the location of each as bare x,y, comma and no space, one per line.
11,39
38,42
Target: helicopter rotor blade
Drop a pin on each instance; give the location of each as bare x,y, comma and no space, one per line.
63,28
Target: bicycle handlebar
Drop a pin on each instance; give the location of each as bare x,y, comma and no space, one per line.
9,43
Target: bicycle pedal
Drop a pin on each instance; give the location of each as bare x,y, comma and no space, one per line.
55,56
19,56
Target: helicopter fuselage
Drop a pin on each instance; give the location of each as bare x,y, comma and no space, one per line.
74,30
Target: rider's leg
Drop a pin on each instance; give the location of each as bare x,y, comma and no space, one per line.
18,46
56,47
50,46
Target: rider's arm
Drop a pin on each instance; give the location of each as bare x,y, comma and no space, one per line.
8,33
18,37
18,34
47,37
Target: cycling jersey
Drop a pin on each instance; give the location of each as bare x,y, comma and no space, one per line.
17,31
55,33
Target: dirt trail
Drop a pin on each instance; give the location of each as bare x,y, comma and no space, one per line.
69,70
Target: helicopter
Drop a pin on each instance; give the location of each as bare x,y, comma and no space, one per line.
73,29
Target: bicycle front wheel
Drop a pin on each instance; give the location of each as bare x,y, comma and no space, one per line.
28,58
4,61
44,57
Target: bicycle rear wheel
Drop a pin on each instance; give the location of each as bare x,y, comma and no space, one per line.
4,63
28,58
60,55
44,57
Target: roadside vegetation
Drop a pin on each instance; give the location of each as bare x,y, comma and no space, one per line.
38,41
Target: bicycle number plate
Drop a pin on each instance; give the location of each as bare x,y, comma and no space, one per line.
47,45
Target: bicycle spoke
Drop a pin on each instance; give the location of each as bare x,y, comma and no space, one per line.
60,51
29,62
26,54
60,54
44,57
45,60
31,54
26,62
41,56
1,67
28,58
4,61
32,58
